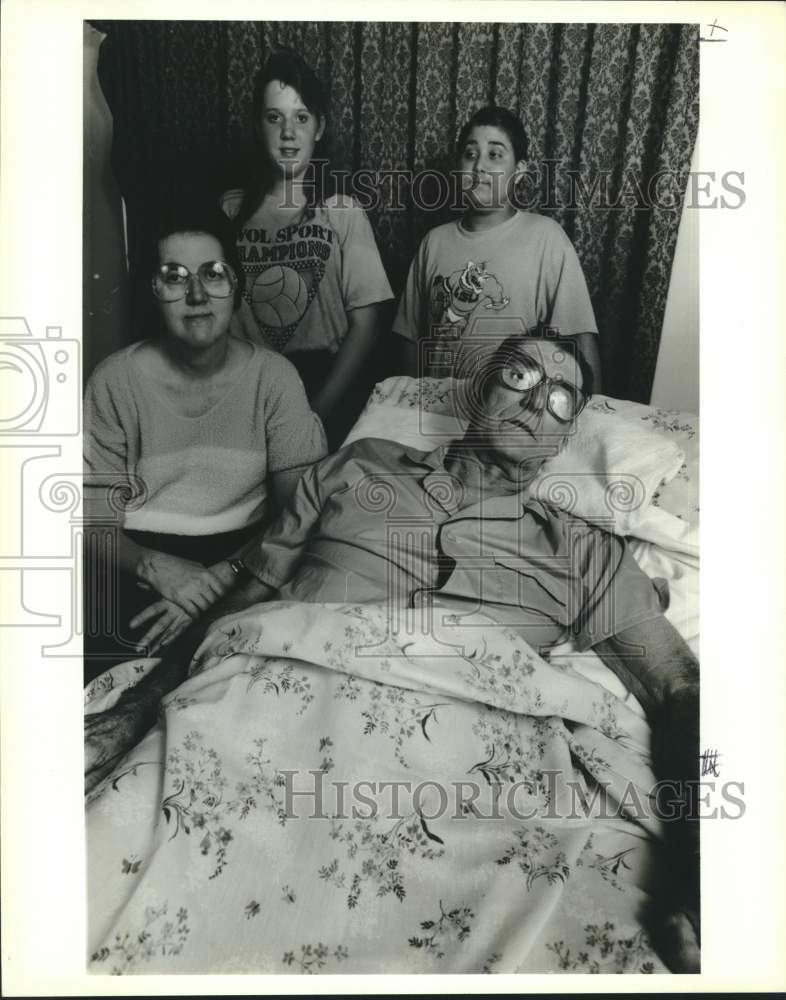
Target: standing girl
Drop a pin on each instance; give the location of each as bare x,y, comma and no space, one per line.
314,278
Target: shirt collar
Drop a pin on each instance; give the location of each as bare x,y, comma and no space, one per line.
508,506
433,460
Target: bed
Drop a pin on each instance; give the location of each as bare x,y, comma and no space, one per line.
344,789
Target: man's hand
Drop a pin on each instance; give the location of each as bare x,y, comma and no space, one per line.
169,622
193,587
109,736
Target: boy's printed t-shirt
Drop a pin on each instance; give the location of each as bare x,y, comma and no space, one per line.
301,280
466,291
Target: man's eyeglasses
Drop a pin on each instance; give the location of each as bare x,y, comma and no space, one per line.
523,374
170,281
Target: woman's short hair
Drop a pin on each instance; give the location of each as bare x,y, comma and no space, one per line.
197,218
500,118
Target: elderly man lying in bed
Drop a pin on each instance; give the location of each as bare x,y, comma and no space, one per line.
379,522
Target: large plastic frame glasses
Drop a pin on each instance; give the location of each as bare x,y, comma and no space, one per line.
523,374
170,280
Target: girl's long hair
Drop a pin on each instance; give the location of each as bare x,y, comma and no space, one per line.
292,70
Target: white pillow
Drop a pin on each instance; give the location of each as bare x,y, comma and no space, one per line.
607,472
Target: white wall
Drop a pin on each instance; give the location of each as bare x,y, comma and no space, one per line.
676,384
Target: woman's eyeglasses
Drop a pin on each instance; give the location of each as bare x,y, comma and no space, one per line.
170,281
564,401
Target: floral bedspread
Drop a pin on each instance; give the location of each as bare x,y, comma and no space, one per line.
238,837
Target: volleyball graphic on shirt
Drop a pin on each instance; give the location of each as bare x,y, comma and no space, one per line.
283,275
279,296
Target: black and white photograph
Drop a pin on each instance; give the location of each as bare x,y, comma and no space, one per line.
378,497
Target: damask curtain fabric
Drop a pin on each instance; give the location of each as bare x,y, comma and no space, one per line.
611,111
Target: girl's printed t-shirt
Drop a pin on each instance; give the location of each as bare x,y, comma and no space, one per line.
303,279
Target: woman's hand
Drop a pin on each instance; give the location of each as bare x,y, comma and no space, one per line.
169,622
188,584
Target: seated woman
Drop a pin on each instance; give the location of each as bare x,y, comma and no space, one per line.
315,281
497,271
209,432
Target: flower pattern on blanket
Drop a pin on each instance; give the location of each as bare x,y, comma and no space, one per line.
281,678
611,868
215,818
398,714
606,951
312,958
198,799
374,852
158,936
531,854
444,932
512,760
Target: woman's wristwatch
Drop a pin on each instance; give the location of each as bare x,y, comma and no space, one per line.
239,568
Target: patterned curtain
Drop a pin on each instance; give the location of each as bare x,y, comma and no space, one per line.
611,111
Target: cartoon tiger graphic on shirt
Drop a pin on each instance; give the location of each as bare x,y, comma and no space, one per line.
456,297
